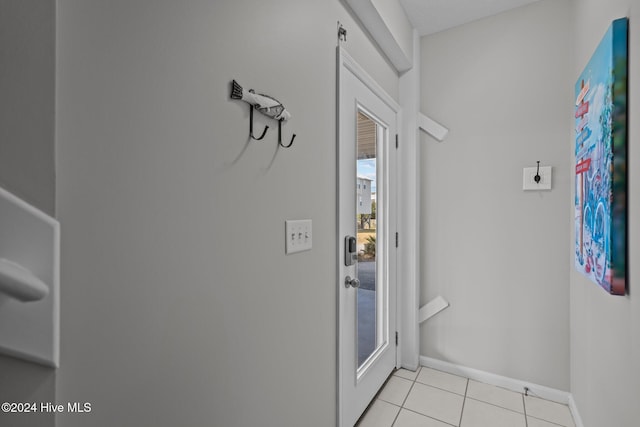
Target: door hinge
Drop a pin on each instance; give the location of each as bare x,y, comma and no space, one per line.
396,338
397,239
396,140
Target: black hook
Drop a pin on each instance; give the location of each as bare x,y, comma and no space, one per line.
342,33
264,132
537,178
280,136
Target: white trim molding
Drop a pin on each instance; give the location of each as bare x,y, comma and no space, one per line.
432,127
374,23
432,308
409,216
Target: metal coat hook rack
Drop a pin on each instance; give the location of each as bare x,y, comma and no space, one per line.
280,136
266,105
264,132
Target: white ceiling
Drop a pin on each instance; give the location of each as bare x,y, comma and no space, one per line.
431,16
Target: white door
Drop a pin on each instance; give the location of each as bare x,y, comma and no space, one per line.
367,122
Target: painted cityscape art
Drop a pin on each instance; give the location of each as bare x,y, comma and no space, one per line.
601,163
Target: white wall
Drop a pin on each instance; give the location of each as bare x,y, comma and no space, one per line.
605,330
503,86
178,304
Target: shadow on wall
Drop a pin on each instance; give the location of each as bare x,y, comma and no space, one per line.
31,383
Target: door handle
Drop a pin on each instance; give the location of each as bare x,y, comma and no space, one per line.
348,281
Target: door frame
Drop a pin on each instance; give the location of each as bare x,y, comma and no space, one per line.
345,63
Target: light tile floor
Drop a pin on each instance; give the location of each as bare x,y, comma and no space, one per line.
431,398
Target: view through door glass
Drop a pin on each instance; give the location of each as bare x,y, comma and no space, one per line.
369,295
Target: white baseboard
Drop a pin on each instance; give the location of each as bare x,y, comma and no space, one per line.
574,411
537,390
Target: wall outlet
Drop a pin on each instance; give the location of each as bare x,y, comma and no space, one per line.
529,181
298,235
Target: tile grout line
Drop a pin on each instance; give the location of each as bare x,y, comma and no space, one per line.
533,395
412,411
464,401
377,397
406,397
411,388
497,406
441,389
430,417
402,404
549,422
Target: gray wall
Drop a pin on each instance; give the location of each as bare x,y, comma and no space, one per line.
178,304
27,75
502,85
605,330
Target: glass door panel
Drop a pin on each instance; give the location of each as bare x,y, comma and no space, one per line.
370,299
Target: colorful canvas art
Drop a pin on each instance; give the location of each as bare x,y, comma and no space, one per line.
601,163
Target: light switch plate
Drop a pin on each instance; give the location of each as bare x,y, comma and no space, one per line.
529,182
298,235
